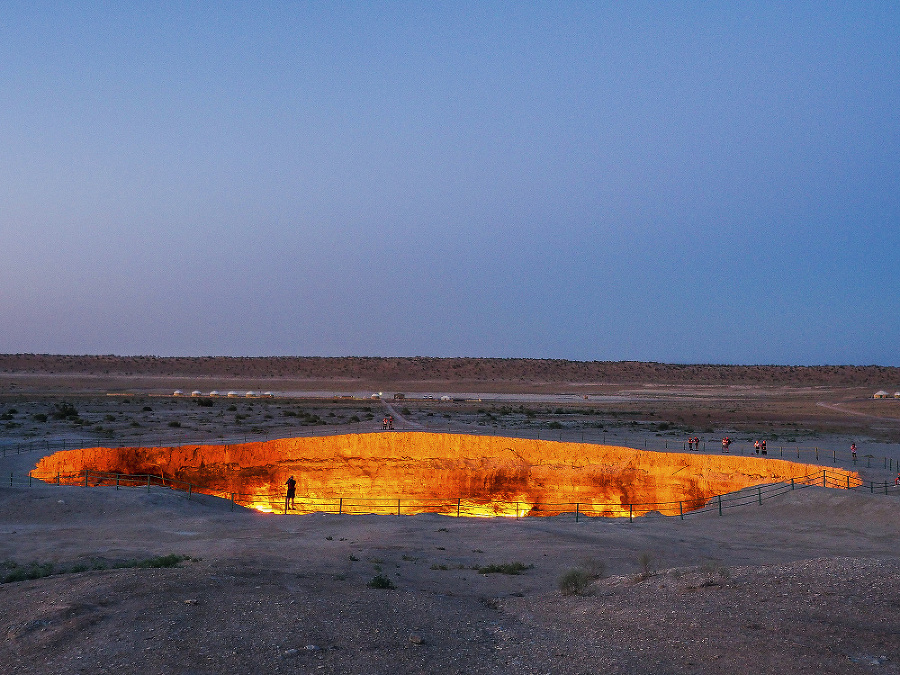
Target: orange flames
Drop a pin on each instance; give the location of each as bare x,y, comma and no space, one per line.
413,472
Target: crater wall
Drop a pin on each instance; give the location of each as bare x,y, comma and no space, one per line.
479,475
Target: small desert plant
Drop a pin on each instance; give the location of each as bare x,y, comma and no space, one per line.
574,581
577,580
380,581
504,568
170,560
647,563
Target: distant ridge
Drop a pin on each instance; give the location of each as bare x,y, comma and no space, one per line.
459,369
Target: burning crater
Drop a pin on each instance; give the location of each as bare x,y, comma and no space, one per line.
440,473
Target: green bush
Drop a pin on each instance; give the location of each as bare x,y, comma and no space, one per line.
504,568
380,581
574,581
64,411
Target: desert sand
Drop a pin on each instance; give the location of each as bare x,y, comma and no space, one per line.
808,582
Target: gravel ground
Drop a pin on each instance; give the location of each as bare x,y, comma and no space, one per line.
806,583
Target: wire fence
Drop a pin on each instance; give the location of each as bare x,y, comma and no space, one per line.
792,452
466,506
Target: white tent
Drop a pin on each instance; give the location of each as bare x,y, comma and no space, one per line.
881,394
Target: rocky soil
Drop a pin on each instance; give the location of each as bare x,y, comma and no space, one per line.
808,582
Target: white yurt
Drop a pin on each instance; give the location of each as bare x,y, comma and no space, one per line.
214,393
178,392
881,394
196,392
897,394
250,394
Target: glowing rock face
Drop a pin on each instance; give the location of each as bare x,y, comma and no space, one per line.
442,473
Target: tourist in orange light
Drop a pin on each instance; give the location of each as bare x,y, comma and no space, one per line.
291,491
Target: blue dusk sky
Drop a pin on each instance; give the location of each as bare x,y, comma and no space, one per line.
693,182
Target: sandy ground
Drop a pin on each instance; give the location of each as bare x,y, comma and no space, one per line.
809,582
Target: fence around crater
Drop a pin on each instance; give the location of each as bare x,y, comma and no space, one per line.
461,507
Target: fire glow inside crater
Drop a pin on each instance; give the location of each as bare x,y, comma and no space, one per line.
415,472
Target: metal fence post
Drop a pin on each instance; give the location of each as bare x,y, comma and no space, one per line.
824,484
720,504
458,501
340,505
630,513
577,506
681,510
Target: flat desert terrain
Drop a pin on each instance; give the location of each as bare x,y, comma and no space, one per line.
806,582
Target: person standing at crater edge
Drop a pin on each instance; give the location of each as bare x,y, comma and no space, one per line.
291,491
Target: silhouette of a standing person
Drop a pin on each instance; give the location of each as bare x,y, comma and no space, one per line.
291,491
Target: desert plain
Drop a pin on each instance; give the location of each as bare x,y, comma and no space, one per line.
806,582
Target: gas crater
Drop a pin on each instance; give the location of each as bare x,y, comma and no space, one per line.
416,472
